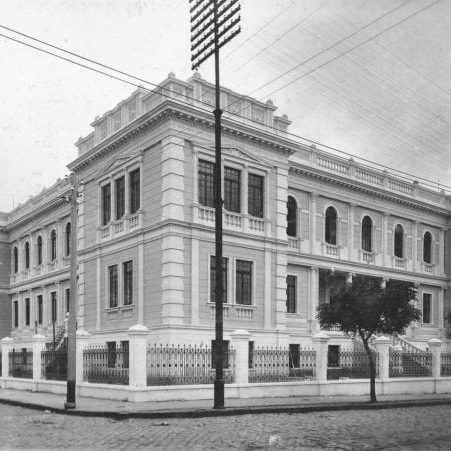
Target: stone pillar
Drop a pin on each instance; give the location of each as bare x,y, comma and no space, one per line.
137,336
82,340
435,347
320,342
382,345
240,342
38,345
313,299
7,345
441,313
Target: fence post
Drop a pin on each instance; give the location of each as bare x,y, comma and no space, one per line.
320,342
435,346
82,339
382,345
38,345
137,375
7,345
240,342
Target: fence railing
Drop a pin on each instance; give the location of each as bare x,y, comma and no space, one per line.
106,365
445,364
351,365
410,364
185,365
21,363
54,364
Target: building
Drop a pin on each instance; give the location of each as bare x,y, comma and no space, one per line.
298,223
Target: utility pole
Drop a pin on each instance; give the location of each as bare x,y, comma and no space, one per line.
72,321
213,24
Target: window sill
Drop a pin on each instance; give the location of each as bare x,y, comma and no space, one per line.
120,227
234,312
120,312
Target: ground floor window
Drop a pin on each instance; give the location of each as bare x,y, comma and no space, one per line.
427,308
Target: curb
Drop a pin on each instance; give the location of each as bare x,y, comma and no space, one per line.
231,411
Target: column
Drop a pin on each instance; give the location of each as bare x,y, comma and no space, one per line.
82,341
245,187
7,345
415,245
435,347
320,342
38,345
127,192
240,342
281,290
313,299
281,202
195,281
351,208
137,336
312,234
382,345
267,295
140,283
440,309
384,238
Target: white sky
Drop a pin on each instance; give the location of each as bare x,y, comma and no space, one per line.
389,100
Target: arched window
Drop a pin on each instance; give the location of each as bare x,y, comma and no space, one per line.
427,247
16,260
367,226
27,255
399,241
331,226
67,239
292,212
53,245
39,250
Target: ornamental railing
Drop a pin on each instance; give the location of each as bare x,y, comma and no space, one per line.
410,364
350,365
106,365
21,363
445,364
302,364
54,364
185,365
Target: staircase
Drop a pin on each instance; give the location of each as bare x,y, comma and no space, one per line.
60,338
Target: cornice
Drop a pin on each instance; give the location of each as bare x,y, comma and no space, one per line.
373,191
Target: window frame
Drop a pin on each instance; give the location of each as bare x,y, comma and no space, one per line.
294,290
134,190
105,203
256,196
212,279
40,309
398,241
366,231
67,238
232,189
430,258
119,197
15,259
27,312
331,235
54,307
113,286
292,223
424,294
16,314
39,245
206,183
53,245
127,282
27,255
238,286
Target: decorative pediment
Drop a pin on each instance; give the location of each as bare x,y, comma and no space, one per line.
116,163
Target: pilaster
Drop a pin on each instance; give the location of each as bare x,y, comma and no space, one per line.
137,336
38,345
195,281
382,345
312,224
321,341
281,290
384,238
351,210
435,347
313,299
240,342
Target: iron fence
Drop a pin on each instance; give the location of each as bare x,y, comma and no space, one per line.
410,364
445,364
54,364
350,365
106,365
21,363
186,365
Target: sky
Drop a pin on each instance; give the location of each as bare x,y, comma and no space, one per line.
368,78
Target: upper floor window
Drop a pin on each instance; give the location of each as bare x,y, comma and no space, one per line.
255,195
16,259
291,294
119,186
367,226
399,241
292,213
27,255
128,282
206,183
426,314
39,250
331,226
67,239
106,204
243,282
427,247
53,245
225,264
232,190
135,191
112,286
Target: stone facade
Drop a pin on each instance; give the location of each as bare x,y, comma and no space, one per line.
146,229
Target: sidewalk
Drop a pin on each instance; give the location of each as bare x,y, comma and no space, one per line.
204,408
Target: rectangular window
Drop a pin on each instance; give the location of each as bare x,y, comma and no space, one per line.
232,189
106,204
225,353
243,282
40,309
16,314
225,264
53,305
119,186
135,191
251,348
67,299
111,354
291,294
128,282
125,349
295,356
27,311
427,308
206,183
112,285
333,356
255,195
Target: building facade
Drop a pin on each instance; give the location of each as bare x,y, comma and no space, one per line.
298,223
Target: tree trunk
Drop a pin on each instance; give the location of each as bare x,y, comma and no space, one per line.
372,363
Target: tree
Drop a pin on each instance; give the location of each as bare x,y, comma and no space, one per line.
363,308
